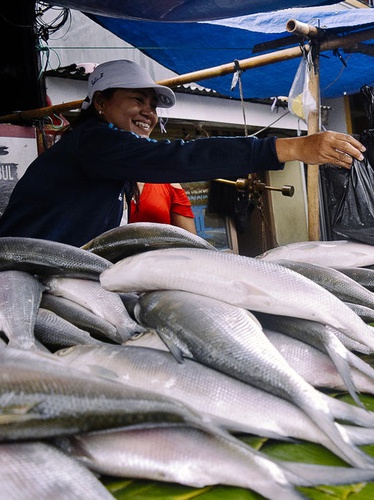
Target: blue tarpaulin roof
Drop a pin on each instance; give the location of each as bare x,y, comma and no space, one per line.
182,10
188,47
192,45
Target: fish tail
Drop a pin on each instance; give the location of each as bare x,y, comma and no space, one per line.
301,474
350,413
360,365
338,440
344,370
359,435
281,488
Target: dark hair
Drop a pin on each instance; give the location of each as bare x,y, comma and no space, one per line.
91,112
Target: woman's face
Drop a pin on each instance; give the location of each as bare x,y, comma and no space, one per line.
133,110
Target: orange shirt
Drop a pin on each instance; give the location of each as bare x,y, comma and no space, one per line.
158,201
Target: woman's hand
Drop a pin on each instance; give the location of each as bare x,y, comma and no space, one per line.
323,147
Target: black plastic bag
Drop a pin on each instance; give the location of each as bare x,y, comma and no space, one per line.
367,93
354,216
367,139
333,183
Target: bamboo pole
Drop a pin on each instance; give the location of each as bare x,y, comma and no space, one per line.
314,121
254,62
314,126
34,114
257,61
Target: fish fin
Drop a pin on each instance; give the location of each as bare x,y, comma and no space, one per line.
173,348
339,442
301,474
360,435
344,370
360,365
349,413
74,444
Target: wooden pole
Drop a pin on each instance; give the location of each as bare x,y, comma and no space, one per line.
314,126
313,121
331,43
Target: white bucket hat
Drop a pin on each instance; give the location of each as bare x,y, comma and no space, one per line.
126,75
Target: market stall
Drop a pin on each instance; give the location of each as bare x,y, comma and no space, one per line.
239,415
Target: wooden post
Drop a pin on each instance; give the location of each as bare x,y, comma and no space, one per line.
314,126
314,118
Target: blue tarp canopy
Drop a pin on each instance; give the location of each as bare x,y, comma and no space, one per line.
182,10
192,35
193,46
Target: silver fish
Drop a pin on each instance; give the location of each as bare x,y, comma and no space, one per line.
80,316
227,339
37,470
226,401
91,295
323,338
129,300
315,366
365,313
362,275
20,296
247,282
324,253
130,239
195,458
49,258
315,333
341,285
40,398
55,332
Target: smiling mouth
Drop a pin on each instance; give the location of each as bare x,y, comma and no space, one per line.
142,125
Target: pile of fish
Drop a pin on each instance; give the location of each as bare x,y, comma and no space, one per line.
148,354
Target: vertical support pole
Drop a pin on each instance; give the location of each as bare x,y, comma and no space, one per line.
314,126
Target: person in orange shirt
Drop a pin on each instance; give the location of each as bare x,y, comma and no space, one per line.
162,203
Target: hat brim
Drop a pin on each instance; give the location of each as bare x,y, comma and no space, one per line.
165,96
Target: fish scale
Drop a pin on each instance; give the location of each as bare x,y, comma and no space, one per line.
55,332
228,402
182,455
192,457
341,285
325,339
79,316
41,471
137,237
227,339
324,253
101,302
49,258
254,284
20,296
362,275
315,366
40,398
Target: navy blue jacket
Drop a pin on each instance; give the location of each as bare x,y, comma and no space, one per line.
74,191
